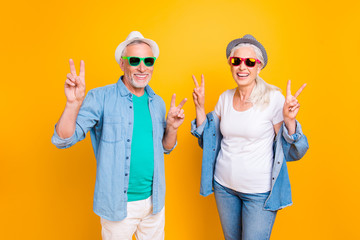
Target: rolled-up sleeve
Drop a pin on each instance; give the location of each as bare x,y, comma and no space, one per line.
197,131
89,115
294,137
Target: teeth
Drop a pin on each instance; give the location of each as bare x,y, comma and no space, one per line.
141,75
242,75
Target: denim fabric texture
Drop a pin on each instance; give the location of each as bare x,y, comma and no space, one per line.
242,215
286,148
107,112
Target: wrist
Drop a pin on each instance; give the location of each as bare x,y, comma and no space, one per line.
171,129
200,110
73,105
290,125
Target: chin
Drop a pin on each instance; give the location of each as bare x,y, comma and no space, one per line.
139,85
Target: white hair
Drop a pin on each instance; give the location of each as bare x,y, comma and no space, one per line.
138,41
260,95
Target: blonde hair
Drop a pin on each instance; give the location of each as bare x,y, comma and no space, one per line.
260,95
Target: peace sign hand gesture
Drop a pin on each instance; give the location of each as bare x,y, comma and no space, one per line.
176,114
74,84
199,93
291,107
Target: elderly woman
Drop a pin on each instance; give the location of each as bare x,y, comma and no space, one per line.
246,143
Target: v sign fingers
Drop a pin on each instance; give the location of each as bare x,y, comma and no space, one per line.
181,104
199,91
291,105
300,90
74,84
72,67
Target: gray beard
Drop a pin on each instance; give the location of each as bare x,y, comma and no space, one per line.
136,85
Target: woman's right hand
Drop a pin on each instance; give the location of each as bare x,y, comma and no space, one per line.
199,100
75,85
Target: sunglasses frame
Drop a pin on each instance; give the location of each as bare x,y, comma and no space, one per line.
244,60
141,60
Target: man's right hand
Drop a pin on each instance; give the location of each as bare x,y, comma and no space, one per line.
74,84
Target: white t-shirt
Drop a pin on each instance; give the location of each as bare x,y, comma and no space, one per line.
245,159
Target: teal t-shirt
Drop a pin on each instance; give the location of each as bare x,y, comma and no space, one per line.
142,151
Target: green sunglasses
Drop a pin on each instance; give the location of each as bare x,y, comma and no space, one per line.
135,61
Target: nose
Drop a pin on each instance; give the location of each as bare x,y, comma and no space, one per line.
242,65
142,66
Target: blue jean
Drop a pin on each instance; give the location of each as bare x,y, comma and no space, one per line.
242,215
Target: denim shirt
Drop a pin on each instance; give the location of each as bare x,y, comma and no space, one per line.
286,148
107,112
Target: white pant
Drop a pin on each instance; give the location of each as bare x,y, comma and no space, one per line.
139,220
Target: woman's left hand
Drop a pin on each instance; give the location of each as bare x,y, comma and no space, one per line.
291,107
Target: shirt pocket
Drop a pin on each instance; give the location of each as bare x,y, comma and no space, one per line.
113,129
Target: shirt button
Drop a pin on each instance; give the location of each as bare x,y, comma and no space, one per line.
127,157
273,178
130,107
278,162
214,134
129,123
124,191
126,174
214,149
128,140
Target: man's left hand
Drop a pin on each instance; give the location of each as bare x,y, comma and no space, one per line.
176,114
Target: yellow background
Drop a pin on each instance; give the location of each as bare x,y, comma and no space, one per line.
46,193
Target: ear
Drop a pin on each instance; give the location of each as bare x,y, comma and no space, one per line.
121,64
259,69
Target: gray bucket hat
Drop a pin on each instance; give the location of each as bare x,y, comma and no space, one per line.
247,39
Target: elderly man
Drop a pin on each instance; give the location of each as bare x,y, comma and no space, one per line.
129,135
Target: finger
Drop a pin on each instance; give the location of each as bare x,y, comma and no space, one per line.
195,96
180,112
300,90
70,83
70,77
288,88
77,81
202,81
196,91
182,116
72,67
172,104
82,69
292,109
293,102
196,83
182,103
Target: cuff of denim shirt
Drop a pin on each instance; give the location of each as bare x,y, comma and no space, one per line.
197,131
294,137
168,151
61,142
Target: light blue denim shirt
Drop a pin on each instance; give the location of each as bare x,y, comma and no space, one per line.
107,112
286,148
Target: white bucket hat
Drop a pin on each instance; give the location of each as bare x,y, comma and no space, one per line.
133,36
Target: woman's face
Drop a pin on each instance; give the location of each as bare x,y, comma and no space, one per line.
243,75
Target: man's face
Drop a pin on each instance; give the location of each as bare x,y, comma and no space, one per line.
139,76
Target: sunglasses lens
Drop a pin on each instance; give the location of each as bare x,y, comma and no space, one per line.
149,62
134,61
250,62
235,61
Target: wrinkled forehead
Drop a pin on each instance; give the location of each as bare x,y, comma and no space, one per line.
138,49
